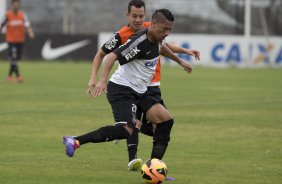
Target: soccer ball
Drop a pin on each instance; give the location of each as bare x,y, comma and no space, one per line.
154,171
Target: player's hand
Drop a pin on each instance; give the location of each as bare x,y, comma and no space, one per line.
99,88
91,86
31,35
187,67
194,53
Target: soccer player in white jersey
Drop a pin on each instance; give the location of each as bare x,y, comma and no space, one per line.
137,58
152,104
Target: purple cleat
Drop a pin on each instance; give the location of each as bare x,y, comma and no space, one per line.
169,178
71,145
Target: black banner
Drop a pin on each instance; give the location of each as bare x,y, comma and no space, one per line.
55,47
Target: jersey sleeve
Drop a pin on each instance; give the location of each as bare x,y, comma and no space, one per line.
131,50
113,43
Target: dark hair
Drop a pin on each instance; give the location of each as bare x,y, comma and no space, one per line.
136,3
160,14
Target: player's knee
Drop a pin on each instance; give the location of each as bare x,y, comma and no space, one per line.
162,132
158,114
164,118
168,117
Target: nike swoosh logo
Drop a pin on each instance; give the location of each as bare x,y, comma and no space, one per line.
151,171
3,46
49,53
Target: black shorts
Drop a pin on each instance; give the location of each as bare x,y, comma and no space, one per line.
15,51
150,98
124,102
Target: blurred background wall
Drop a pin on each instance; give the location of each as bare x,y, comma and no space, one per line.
192,16
215,27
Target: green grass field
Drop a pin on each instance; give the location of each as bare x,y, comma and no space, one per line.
228,127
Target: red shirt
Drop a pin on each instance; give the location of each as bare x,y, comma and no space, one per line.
15,27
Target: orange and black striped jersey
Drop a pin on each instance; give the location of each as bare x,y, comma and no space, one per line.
15,23
120,37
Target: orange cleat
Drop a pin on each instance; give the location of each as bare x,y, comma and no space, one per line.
10,79
20,79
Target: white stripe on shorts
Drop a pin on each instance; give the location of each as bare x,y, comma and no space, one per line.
121,122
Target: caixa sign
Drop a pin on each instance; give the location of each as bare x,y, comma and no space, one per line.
225,53
230,50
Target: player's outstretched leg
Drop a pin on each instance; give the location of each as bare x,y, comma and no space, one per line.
104,134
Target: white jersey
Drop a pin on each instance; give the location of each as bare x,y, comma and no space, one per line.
138,59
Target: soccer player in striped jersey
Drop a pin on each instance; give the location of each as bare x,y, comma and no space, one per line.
138,59
16,21
136,16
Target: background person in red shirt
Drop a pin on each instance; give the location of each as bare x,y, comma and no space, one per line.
16,21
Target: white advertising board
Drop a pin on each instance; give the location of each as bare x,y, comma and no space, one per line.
224,50
2,9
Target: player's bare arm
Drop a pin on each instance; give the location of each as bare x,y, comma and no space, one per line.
97,61
28,27
30,32
166,52
181,50
101,85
